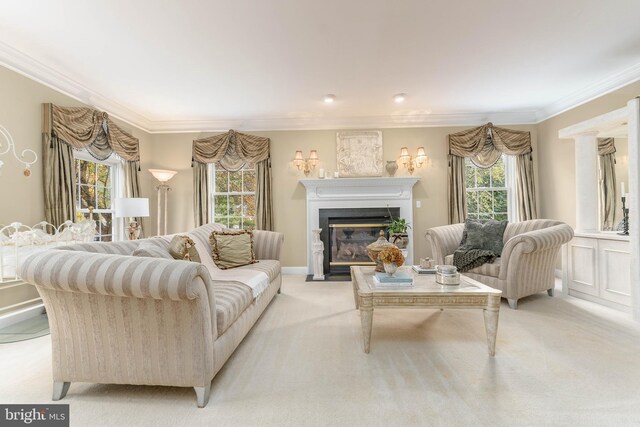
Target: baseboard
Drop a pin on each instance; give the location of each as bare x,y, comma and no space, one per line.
20,315
294,270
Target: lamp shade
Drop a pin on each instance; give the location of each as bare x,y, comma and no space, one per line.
313,155
132,207
298,155
421,152
162,175
404,152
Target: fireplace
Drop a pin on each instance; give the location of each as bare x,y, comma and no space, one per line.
346,233
355,194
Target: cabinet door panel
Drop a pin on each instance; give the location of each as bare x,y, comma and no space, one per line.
615,271
582,266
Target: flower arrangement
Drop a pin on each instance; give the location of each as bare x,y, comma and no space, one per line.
391,255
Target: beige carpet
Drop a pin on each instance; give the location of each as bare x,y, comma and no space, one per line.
559,361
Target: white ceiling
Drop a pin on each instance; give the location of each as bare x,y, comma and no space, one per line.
265,64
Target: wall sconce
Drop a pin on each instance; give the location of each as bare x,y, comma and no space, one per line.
410,162
306,165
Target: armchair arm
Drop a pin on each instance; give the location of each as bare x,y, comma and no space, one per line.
267,244
534,241
444,240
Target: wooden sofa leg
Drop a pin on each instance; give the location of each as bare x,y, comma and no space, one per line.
60,390
513,303
202,395
550,292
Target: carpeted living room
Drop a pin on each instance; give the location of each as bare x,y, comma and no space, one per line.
319,213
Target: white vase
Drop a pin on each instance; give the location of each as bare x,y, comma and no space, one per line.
390,268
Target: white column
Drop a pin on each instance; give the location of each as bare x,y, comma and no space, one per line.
587,211
634,203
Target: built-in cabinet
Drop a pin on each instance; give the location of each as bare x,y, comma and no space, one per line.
598,269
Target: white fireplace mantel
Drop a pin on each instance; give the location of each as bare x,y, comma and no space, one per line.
358,193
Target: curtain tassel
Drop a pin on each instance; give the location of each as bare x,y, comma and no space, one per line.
139,170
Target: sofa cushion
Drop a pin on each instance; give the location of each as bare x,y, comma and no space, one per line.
269,266
153,248
488,269
184,248
232,249
232,299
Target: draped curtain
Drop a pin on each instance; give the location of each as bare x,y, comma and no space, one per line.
232,151
67,128
608,200
484,145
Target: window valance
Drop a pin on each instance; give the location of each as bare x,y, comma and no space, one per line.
484,144
93,130
606,146
232,150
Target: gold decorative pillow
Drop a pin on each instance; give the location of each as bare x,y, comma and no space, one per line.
183,248
232,248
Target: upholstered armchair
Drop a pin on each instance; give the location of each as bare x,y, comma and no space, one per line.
527,263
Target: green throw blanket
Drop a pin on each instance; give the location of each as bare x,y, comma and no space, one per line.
466,259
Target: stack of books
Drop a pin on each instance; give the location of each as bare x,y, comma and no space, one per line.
421,270
398,280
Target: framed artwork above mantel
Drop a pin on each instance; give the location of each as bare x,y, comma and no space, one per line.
359,153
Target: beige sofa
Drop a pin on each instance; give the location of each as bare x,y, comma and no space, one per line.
121,319
527,264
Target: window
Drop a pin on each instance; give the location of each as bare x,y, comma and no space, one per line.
234,197
488,193
95,181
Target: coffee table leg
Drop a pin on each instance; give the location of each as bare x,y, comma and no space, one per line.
355,291
491,314
366,319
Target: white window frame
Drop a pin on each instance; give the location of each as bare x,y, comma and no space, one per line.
510,187
117,183
213,193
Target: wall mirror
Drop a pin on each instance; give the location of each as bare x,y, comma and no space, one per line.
613,179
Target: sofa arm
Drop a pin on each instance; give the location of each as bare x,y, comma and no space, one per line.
267,244
444,240
117,275
535,241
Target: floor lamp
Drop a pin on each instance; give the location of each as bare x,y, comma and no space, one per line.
163,189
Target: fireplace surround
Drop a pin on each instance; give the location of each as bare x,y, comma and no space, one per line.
353,193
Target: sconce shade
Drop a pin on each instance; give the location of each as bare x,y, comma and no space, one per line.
298,155
162,175
421,152
313,155
404,152
132,207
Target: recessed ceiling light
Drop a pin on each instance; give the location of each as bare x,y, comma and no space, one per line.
328,99
400,97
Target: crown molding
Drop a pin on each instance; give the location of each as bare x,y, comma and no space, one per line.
35,70
589,93
328,123
42,73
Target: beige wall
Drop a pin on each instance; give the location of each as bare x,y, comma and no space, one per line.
22,198
173,151
556,190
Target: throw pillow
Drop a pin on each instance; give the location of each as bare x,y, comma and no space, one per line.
183,248
232,248
487,235
149,249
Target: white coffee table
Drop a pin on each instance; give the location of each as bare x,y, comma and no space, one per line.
425,293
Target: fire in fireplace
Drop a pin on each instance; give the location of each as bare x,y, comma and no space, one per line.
346,234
